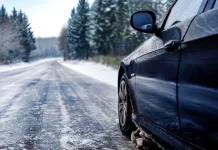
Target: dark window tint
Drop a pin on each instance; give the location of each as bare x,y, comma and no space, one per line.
216,4
182,10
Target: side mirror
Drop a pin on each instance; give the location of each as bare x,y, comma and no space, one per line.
144,21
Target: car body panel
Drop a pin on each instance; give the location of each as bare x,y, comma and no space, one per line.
156,78
198,81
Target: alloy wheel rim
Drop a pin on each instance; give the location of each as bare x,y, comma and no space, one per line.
122,106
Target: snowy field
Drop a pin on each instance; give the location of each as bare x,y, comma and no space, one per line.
94,70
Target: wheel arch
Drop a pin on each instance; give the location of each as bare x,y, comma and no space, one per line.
120,74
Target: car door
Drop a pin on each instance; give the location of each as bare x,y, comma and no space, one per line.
157,68
198,81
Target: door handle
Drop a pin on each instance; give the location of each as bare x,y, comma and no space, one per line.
171,45
133,75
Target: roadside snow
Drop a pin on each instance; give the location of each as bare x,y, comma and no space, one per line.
21,65
97,71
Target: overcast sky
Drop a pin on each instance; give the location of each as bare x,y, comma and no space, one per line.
47,17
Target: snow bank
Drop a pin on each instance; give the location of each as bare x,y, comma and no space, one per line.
97,71
21,65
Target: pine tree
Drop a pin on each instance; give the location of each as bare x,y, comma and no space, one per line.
92,25
110,25
105,36
122,27
17,34
14,14
63,42
71,31
28,40
31,39
3,15
80,26
20,17
99,36
25,37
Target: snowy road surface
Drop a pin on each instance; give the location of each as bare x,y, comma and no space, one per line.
47,106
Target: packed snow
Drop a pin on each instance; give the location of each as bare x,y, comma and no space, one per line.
97,71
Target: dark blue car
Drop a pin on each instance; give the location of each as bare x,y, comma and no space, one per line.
168,87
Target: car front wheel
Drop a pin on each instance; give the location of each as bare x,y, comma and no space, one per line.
124,108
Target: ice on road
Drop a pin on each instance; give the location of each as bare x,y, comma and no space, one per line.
48,106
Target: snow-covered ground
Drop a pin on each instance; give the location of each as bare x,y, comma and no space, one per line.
48,106
4,68
97,71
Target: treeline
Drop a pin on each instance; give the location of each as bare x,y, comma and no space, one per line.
46,48
104,28
16,38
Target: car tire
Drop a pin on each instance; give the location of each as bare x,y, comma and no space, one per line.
125,108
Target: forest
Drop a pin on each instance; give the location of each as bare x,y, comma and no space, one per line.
17,39
103,29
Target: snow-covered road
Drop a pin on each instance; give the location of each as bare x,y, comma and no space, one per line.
47,106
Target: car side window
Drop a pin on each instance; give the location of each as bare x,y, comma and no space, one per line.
216,4
182,10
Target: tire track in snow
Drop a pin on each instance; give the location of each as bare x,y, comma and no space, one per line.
64,118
